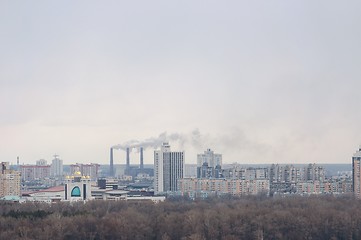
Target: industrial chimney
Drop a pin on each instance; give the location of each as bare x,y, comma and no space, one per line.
141,158
111,170
128,159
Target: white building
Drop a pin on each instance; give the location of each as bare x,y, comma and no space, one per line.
168,168
56,169
77,188
53,194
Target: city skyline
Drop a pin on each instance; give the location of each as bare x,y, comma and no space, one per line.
258,82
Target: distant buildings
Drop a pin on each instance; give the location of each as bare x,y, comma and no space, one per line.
168,169
196,187
306,180
56,169
209,164
9,181
356,173
245,173
91,170
273,180
292,174
35,172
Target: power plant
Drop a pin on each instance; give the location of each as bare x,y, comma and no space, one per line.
130,170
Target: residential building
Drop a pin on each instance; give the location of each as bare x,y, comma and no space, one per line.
198,187
356,174
34,172
56,169
91,170
41,162
208,163
315,173
249,173
9,181
168,168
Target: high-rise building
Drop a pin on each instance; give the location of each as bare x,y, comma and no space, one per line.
213,159
168,168
9,181
314,173
356,173
208,163
41,162
56,168
91,169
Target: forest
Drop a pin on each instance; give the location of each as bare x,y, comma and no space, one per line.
215,218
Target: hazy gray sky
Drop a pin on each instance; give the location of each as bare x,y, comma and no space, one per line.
259,81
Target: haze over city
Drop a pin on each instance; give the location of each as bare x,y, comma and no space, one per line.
259,82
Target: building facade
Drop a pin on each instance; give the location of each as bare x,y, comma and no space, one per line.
56,169
91,170
34,172
194,187
9,181
77,187
356,174
213,159
168,169
208,164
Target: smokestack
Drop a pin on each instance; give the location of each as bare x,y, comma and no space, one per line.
141,158
111,170
128,159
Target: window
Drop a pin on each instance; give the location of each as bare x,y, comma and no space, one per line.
75,192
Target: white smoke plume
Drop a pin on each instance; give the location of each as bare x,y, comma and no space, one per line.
153,142
234,140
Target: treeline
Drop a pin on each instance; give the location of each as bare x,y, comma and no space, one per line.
237,218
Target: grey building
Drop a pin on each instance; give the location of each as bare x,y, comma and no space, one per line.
168,168
209,164
56,168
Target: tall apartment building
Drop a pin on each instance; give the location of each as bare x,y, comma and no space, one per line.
91,170
213,159
9,181
315,173
292,174
56,169
41,162
168,168
356,173
209,164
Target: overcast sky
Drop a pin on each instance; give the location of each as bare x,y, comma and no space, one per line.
258,81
